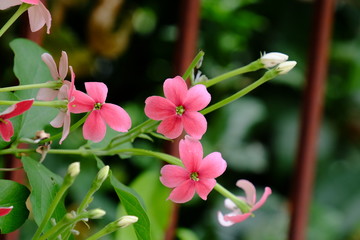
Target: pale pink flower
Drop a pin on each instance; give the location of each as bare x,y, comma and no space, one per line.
179,109
49,94
6,127
38,13
101,113
63,118
5,210
236,215
198,175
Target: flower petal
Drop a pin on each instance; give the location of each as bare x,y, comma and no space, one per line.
212,166
6,130
58,121
262,199
183,193
97,91
197,98
116,117
172,175
38,17
237,218
50,62
175,90
159,108
94,127
5,210
63,65
46,94
81,103
204,186
20,107
66,127
191,153
249,189
9,3
223,222
171,127
195,124
34,2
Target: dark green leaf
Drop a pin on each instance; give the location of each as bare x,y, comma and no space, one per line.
13,194
45,184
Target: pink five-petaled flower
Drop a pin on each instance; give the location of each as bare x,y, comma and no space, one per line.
236,215
6,127
49,94
101,113
179,109
5,210
63,118
38,13
198,175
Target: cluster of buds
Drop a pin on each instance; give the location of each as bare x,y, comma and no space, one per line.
278,60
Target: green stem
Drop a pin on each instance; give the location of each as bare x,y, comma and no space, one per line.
68,180
56,104
266,77
23,7
243,206
253,66
111,227
142,152
192,65
50,84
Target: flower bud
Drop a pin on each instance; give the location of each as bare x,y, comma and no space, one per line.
74,169
126,221
272,59
96,213
285,67
103,174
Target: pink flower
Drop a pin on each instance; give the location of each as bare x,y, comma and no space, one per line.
236,215
5,210
6,127
38,13
63,118
179,109
198,175
101,113
49,94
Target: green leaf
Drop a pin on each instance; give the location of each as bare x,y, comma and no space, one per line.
158,208
45,184
29,69
13,194
132,203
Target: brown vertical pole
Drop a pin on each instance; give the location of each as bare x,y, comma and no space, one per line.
184,53
311,118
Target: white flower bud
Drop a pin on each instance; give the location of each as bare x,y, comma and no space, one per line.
126,221
285,67
74,169
96,213
103,173
272,59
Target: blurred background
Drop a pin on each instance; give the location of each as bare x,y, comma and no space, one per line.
131,46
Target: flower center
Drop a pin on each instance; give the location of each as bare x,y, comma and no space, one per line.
97,106
180,110
194,176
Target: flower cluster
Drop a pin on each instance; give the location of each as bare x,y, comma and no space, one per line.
78,102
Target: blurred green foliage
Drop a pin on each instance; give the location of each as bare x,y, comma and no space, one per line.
257,135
